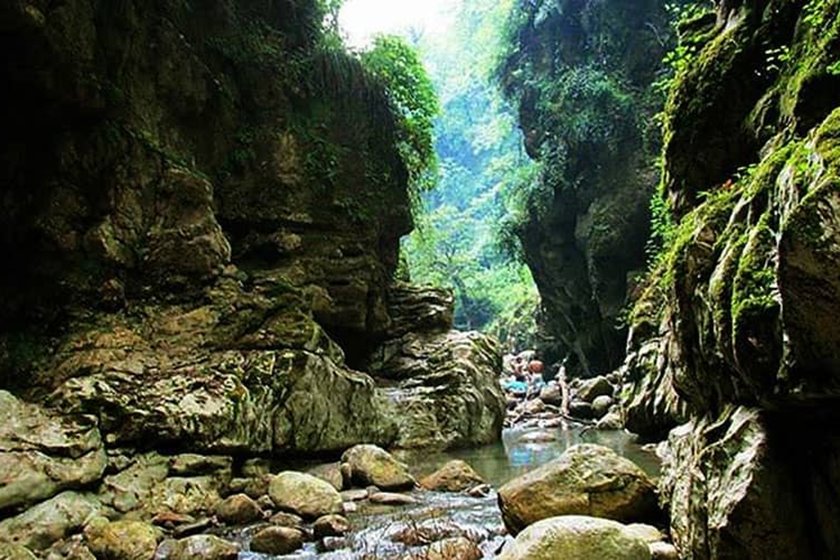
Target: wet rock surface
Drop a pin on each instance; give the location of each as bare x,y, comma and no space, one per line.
304,495
731,348
577,538
368,465
42,454
454,476
586,480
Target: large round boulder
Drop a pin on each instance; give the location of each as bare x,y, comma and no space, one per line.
304,495
586,480
575,537
371,465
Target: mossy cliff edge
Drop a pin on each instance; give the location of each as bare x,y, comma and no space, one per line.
581,74
735,337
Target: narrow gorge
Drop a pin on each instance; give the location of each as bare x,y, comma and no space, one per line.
558,279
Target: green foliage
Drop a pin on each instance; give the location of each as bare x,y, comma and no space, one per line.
460,241
684,18
413,96
589,109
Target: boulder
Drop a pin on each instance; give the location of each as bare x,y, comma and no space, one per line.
254,488
580,409
454,476
276,540
15,552
51,521
586,480
238,509
206,547
331,526
391,499
612,421
121,540
372,465
575,537
448,392
73,548
284,519
421,532
591,389
266,379
304,495
551,394
43,453
330,472
144,486
601,406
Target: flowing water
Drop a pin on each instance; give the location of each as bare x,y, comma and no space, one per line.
378,530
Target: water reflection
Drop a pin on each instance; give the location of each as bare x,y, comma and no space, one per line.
522,450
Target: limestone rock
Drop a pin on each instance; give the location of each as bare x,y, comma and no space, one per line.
254,488
73,548
454,476
265,379
601,405
121,540
276,540
612,421
370,465
722,479
15,552
586,480
449,394
304,495
190,464
591,389
238,509
331,526
574,537
51,521
551,394
207,547
145,486
42,453
418,309
663,551
285,519
330,472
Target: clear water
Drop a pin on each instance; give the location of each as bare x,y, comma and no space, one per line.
376,529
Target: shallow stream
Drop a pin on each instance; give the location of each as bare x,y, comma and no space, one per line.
378,529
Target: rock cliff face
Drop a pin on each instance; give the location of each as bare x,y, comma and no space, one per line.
151,144
201,211
736,335
581,74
